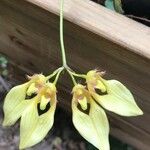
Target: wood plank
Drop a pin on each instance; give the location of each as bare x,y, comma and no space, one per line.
29,36
103,22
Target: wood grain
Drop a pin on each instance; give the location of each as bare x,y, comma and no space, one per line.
95,37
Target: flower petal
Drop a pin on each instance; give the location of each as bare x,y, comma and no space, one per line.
15,114
118,100
14,104
93,127
34,127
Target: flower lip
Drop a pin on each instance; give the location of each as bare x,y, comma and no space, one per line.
46,97
81,97
43,102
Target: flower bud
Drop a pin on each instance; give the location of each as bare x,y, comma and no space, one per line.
44,101
83,103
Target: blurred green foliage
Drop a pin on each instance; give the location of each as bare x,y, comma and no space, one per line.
114,5
110,4
3,66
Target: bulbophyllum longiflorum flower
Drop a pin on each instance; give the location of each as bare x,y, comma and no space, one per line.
112,95
38,118
89,119
35,102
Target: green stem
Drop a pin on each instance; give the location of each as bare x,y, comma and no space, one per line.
57,76
61,36
54,73
64,61
79,75
72,77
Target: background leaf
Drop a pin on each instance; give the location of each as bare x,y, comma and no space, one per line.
110,4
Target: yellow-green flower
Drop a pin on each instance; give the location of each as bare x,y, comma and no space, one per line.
38,118
112,95
90,119
37,112
15,102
